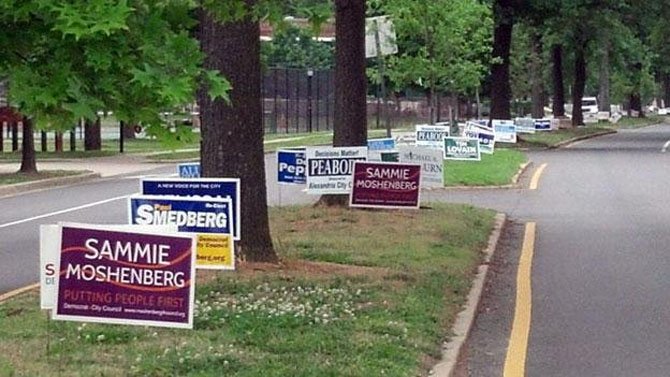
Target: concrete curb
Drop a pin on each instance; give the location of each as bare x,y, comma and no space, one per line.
20,188
461,329
16,292
565,143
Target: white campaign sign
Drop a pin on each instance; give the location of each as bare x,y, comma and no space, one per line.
431,136
431,161
505,131
387,38
329,169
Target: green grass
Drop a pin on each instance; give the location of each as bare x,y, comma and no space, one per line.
13,178
628,123
384,311
552,138
492,170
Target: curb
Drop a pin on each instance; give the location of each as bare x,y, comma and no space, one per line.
580,138
6,296
21,188
461,329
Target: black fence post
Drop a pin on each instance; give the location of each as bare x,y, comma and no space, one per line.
121,136
298,77
275,107
287,96
2,141
43,141
73,140
15,136
310,74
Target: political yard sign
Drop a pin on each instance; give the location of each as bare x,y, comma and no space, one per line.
131,278
542,124
377,147
431,161
329,169
485,136
505,131
199,187
189,170
461,148
291,166
210,219
385,185
431,136
50,240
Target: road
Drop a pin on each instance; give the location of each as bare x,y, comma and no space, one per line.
600,286
600,292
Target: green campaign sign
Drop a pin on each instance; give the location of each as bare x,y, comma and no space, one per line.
461,148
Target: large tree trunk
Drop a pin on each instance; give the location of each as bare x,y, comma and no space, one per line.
128,131
28,163
232,133
92,135
501,89
537,83
579,84
350,126
635,99
558,98
604,77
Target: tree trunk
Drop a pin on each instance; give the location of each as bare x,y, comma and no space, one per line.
58,142
580,83
635,104
501,89
537,84
28,163
666,89
604,77
350,126
232,133
558,106
92,135
128,131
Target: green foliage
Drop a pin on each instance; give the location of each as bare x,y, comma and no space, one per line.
443,44
295,47
65,60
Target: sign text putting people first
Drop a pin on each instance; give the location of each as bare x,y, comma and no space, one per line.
385,185
125,277
329,169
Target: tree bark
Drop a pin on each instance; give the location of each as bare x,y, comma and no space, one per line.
537,84
58,142
579,84
28,162
501,89
92,135
558,105
128,131
666,89
232,133
635,98
350,124
604,76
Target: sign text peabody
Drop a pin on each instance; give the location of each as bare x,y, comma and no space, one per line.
329,169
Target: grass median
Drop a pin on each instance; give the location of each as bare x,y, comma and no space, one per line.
360,293
14,178
493,170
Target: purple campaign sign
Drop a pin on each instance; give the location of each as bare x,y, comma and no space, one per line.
385,185
125,277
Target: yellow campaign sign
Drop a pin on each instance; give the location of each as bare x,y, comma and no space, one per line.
215,251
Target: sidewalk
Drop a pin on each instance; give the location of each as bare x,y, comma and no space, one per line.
104,166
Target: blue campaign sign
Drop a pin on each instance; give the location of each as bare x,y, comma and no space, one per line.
381,144
542,124
193,215
199,187
291,166
189,170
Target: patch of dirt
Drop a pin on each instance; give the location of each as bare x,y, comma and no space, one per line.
296,268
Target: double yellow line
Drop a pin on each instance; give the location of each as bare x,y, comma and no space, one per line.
515,362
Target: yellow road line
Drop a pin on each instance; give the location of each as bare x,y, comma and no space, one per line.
18,291
536,177
515,362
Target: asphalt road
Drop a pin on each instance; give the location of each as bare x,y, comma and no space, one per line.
601,291
600,277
